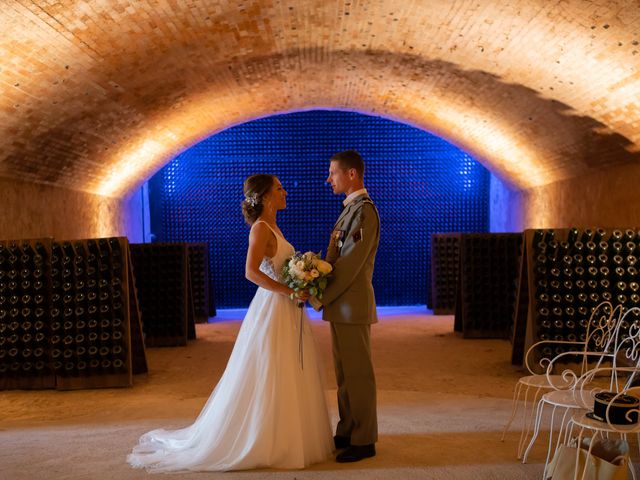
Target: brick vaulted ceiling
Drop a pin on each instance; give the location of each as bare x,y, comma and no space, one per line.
97,95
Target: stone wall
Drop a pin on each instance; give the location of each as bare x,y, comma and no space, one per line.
607,198
30,210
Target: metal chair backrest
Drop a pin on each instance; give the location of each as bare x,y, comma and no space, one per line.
598,345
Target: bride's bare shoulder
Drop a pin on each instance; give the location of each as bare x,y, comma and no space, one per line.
259,226
261,231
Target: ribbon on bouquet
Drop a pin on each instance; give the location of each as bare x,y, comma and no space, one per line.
300,336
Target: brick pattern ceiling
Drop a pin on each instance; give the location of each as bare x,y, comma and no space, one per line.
97,95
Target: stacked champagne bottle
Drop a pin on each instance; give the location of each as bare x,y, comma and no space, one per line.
575,274
24,326
198,274
88,328
488,272
161,279
445,259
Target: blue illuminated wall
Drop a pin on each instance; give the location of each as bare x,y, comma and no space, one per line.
420,183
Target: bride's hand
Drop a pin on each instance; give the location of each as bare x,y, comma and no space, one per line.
302,295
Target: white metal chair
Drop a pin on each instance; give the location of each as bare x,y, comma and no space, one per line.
605,428
599,331
622,374
602,334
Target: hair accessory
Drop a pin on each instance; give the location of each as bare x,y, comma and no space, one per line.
251,199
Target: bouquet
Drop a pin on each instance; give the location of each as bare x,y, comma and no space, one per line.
307,271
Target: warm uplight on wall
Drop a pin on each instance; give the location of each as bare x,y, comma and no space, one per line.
137,162
108,217
486,138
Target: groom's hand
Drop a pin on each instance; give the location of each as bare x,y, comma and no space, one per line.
315,303
302,295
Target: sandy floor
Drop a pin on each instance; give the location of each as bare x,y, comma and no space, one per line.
443,402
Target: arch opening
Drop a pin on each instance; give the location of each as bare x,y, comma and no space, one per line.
420,183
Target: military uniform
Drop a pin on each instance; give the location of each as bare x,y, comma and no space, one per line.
350,306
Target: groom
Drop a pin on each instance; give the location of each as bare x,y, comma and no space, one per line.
349,305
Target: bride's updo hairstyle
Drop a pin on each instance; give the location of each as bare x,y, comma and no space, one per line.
255,188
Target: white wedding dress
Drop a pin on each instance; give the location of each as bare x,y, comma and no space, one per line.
268,409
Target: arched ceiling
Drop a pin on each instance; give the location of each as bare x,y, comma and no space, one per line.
97,95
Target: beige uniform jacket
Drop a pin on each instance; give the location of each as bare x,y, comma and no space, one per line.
349,296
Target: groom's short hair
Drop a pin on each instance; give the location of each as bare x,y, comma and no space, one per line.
350,159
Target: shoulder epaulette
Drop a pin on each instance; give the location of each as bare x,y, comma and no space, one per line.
369,201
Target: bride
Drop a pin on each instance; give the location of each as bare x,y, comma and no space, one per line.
266,410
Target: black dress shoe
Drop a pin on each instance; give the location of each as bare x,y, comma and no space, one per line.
341,442
356,453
